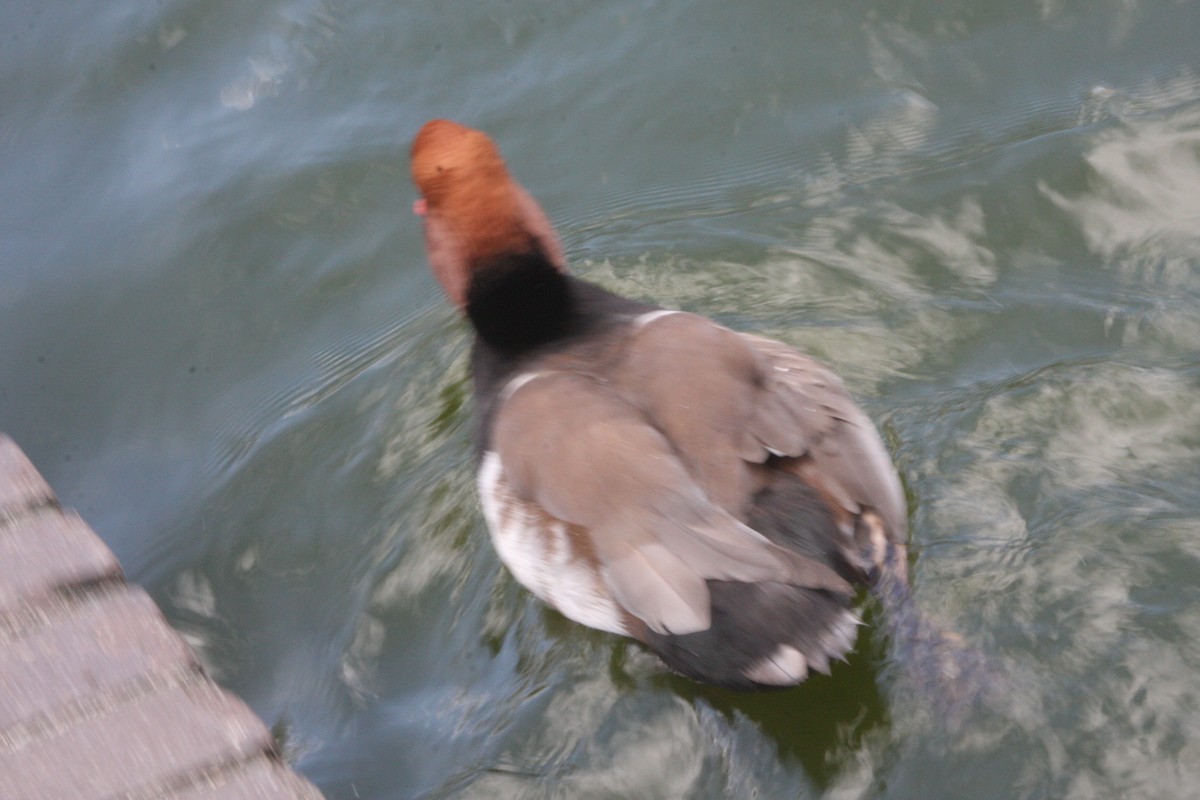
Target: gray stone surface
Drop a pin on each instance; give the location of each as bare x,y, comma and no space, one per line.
99,698
21,486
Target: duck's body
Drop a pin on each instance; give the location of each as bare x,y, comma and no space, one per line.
648,472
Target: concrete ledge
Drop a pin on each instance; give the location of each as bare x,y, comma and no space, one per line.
99,697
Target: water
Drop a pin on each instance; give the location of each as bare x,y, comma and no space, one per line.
220,342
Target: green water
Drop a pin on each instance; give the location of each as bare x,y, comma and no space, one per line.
220,342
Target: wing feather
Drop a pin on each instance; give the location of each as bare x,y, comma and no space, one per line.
727,400
841,439
656,536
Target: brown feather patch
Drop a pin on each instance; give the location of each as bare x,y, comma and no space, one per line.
464,181
473,210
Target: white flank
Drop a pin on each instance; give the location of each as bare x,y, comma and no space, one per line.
540,554
784,667
840,638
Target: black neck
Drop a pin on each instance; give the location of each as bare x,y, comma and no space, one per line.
519,301
513,344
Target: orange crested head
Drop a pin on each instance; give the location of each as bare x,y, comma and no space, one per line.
474,212
449,159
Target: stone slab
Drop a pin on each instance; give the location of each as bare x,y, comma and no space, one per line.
49,551
99,698
21,486
96,646
262,779
153,740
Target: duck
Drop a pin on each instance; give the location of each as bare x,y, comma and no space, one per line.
717,496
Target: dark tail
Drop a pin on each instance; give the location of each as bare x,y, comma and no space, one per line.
949,676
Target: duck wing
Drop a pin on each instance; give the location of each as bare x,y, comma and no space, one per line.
843,444
569,448
729,401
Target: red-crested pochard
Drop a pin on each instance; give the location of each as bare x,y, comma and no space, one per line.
715,495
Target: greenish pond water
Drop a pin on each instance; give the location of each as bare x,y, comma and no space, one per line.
220,342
